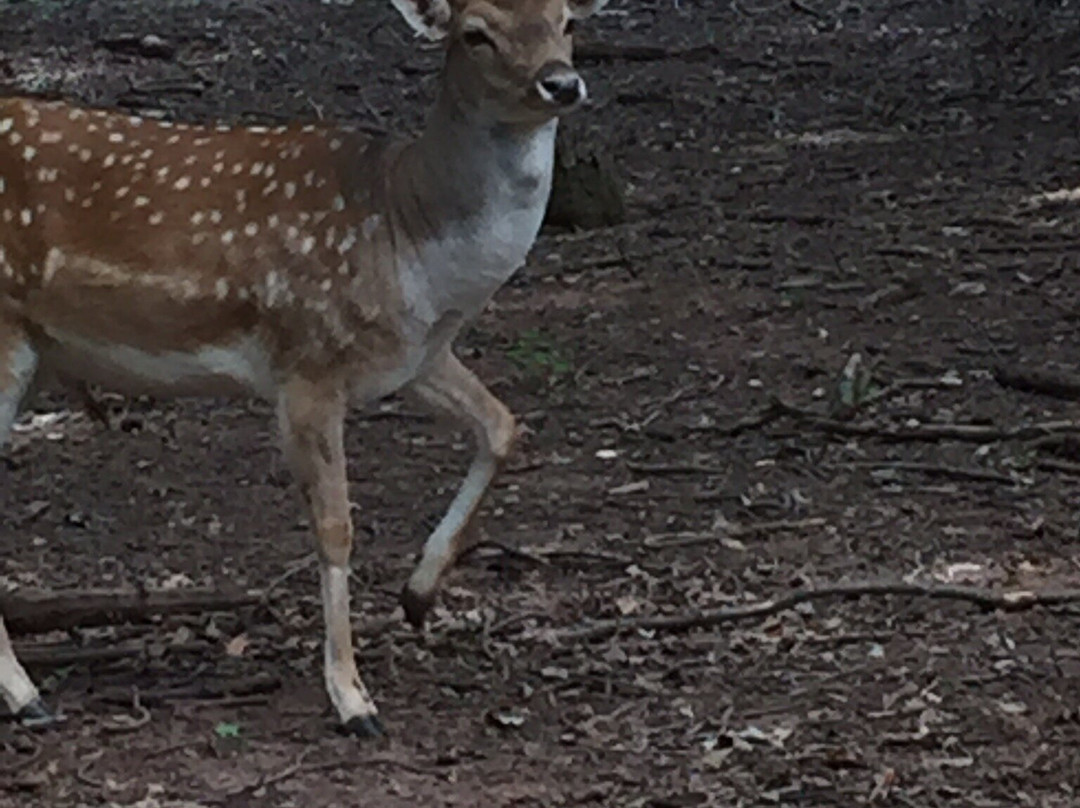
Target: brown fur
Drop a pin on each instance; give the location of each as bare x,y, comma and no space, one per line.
305,264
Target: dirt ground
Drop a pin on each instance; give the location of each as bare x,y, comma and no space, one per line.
812,186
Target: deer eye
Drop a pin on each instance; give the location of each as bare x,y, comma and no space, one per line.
477,38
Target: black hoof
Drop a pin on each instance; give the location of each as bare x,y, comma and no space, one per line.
36,714
365,726
416,607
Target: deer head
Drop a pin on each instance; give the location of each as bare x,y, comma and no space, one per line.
511,59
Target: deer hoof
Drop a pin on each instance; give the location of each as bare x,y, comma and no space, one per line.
36,715
365,726
416,606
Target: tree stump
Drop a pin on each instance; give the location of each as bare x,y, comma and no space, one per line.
586,191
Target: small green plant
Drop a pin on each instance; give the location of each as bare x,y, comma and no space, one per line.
535,353
227,729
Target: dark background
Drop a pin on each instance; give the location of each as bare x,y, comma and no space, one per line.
806,181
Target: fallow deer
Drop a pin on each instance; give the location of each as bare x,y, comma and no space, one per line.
309,265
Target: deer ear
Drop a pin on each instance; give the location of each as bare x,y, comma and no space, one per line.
429,18
579,9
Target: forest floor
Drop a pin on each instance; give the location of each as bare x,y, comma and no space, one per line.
799,363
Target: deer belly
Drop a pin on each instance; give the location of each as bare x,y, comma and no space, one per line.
239,367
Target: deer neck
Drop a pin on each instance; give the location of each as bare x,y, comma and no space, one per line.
472,198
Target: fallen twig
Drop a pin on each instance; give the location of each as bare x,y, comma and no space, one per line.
62,655
35,611
201,690
1058,384
544,557
21,763
271,777
505,549
687,539
973,433
294,570
1060,466
129,723
931,470
301,766
1014,600
676,468
766,415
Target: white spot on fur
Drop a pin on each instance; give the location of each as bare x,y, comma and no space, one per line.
54,262
347,242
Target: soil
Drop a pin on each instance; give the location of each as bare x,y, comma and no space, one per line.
808,182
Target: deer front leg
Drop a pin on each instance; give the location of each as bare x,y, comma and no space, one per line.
312,420
19,691
452,388
18,365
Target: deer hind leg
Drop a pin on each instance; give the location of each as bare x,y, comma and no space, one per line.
312,421
18,364
452,388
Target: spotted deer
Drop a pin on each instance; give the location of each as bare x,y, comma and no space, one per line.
312,266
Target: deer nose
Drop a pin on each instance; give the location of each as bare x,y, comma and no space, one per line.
560,85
